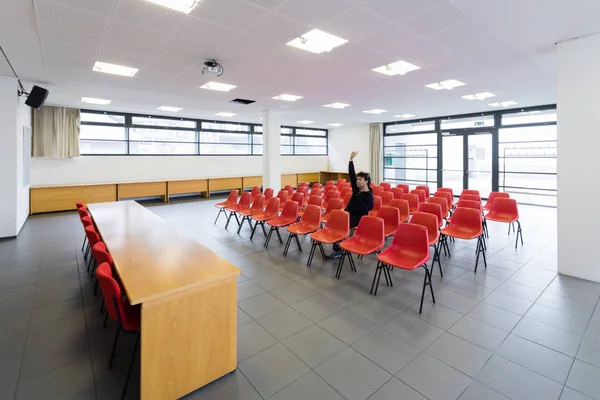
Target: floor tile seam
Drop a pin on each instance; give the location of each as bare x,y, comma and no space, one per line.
381,366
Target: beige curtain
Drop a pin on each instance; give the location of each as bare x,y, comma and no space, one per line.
55,132
375,150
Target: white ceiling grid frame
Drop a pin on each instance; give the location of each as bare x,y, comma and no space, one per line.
266,4
234,13
396,10
100,7
435,19
148,14
354,24
312,12
278,29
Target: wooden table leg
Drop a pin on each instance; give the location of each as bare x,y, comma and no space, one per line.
189,339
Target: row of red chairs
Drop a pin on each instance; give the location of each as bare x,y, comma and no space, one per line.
100,263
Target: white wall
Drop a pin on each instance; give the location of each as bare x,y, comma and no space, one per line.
8,156
345,140
23,120
100,169
579,143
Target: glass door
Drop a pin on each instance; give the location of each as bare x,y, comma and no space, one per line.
467,161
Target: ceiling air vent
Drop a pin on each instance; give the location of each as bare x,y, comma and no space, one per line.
242,101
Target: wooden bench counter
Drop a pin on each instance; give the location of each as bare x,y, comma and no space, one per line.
187,295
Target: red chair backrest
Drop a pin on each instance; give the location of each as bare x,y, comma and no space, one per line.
347,199
370,230
432,208
339,222
404,187
429,221
470,191
506,206
315,201
398,192
298,197
82,212
376,202
312,215
290,210
245,200
303,190
390,217
317,186
495,195
289,189
334,204
331,195
425,189
283,196
303,184
269,192
469,204
112,293
330,188
92,235
233,197
315,192
420,193
468,218
386,186
472,197
377,190
330,183
412,239
402,206
413,200
259,203
447,196
442,202
341,181
87,221
447,190
101,255
273,205
79,204
255,191
345,191
386,197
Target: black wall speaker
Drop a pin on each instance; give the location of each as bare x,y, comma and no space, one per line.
37,97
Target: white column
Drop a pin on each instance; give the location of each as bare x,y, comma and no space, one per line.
8,156
578,103
271,150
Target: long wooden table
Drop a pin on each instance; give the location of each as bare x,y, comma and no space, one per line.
187,295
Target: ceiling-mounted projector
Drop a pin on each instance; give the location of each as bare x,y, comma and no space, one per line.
211,67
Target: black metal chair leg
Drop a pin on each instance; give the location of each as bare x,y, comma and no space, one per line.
253,229
268,238
378,271
221,211
423,291
351,261
389,274
112,353
311,254
484,258
478,250
228,220
87,251
135,346
375,276
105,319
102,306
279,235
322,251
96,287
240,226
84,240
436,257
287,244
519,232
340,265
262,226
298,242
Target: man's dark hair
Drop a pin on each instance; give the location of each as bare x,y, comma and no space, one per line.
365,176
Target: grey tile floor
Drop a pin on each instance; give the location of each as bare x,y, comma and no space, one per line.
515,330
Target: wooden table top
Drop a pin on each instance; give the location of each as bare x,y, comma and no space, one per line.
152,258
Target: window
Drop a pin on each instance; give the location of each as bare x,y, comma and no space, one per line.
410,127
464,123
529,117
411,159
107,133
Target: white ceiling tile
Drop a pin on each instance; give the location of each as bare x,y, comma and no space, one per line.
122,53
354,24
232,13
441,17
279,29
136,34
313,12
267,4
53,14
148,14
102,7
400,9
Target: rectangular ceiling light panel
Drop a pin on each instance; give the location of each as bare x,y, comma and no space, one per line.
184,6
92,100
169,108
317,41
287,97
447,85
479,96
339,106
504,104
225,114
221,87
405,116
114,69
374,111
305,122
396,68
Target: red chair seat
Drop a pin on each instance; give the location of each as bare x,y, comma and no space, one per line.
265,216
461,232
281,221
359,245
246,212
302,228
404,258
501,217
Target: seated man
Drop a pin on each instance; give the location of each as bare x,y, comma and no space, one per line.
362,200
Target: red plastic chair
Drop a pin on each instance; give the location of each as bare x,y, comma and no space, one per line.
398,192
258,206
334,204
288,216
471,197
447,196
231,200
303,190
243,204
409,250
469,204
404,187
443,203
448,190
369,238
303,184
376,206
101,255
289,189
413,202
336,229
377,190
271,211
330,184
391,219
386,186
430,221
329,189
269,193
506,211
386,197
310,223
432,208
492,196
255,192
317,186
79,204
93,237
315,192
298,197
314,201
466,225
345,191
425,189
283,197
421,194
86,220
328,196
347,199
340,181
470,191
127,316
403,207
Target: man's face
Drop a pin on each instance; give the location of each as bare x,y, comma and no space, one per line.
361,182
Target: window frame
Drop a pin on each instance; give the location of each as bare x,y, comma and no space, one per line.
128,124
